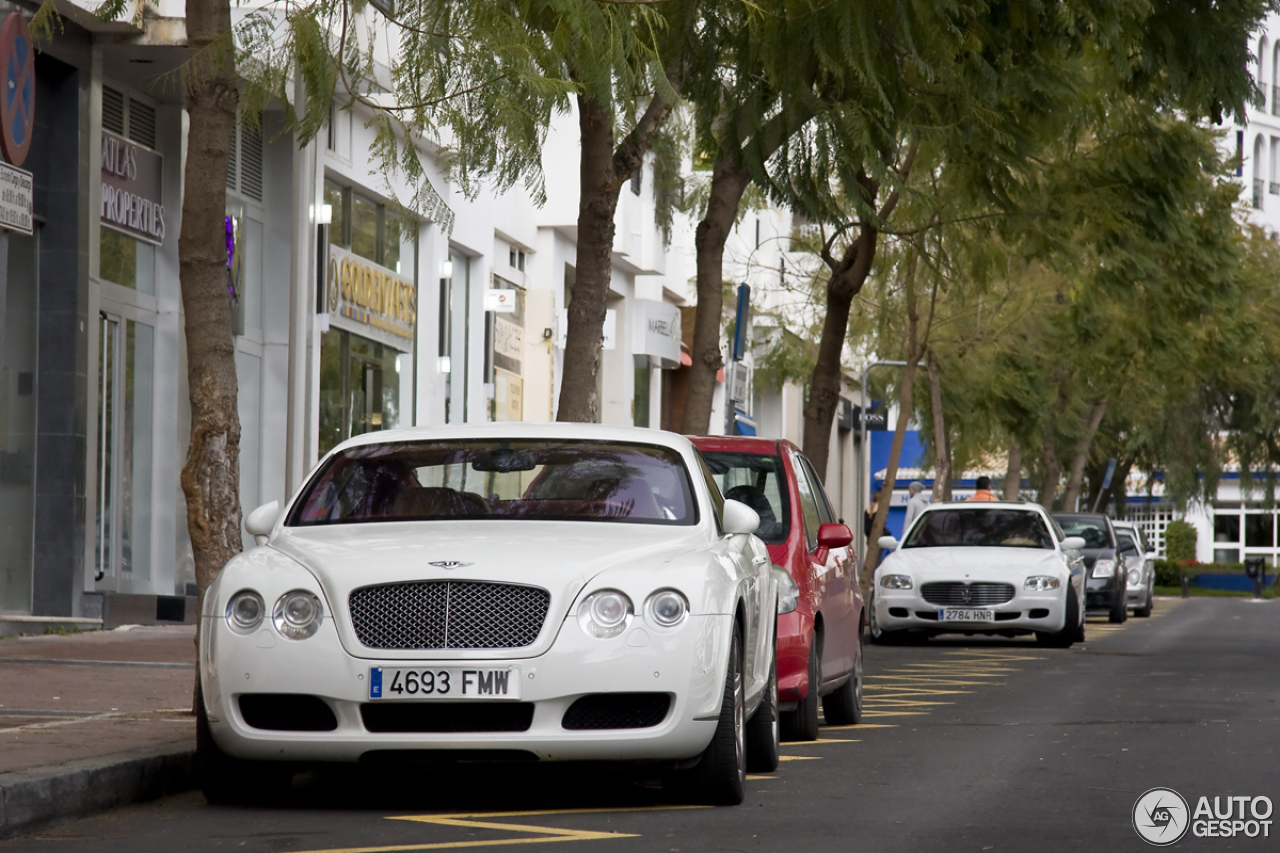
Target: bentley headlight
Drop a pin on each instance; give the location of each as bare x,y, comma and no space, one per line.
297,614
788,592
605,614
1135,577
245,611
1104,568
1040,583
896,581
667,608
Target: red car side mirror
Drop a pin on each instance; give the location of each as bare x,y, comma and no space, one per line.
834,536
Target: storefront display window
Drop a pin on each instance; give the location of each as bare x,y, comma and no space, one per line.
360,384
18,325
125,261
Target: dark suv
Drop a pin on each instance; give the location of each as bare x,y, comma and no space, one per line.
1105,581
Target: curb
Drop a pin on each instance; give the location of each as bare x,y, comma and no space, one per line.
38,796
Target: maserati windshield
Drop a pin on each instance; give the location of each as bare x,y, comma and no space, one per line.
979,528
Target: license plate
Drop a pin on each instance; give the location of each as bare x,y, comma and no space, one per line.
952,614
444,682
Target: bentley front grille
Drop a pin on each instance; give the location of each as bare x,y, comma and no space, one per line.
448,615
953,594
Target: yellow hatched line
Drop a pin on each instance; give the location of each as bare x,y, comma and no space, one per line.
484,820
895,713
820,740
899,703
799,757
859,726
918,692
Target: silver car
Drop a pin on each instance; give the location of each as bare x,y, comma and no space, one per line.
1140,566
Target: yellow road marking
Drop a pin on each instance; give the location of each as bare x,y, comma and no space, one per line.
799,757
484,820
859,726
895,713
753,778
894,702
819,740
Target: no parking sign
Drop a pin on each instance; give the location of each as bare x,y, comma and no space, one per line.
17,89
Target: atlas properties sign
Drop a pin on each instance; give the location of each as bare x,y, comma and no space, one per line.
132,199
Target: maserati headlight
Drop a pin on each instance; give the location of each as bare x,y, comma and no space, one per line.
1041,583
1104,568
245,611
297,615
605,613
896,581
667,608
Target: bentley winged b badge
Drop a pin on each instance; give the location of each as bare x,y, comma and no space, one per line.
450,564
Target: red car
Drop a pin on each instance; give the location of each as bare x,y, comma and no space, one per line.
820,637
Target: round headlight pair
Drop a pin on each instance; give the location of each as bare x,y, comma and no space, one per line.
1135,577
607,613
297,614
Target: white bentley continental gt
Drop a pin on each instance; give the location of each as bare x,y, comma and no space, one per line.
981,567
554,591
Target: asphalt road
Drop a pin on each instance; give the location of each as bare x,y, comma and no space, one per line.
969,745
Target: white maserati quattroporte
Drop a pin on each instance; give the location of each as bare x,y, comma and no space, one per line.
554,592
981,567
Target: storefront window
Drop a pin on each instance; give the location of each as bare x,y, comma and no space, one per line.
359,387
364,228
125,399
1259,530
125,261
392,235
17,425
335,196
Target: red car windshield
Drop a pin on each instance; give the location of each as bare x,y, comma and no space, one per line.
979,528
484,479
755,479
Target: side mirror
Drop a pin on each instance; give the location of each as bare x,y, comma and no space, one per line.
261,521
739,518
887,543
1073,543
834,536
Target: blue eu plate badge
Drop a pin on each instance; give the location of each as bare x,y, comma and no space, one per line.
375,682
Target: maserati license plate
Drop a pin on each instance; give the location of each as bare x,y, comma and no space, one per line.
956,614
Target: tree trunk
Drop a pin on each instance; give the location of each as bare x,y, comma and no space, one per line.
727,186
1049,445
597,203
847,278
1092,418
211,476
1013,474
941,438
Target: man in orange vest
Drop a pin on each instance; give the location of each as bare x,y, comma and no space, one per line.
984,492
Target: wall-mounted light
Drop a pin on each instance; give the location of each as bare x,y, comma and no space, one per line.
445,364
326,214
446,269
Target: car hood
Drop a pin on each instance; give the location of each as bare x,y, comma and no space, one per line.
928,564
559,557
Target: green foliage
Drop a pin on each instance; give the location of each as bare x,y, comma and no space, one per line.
1179,541
1170,572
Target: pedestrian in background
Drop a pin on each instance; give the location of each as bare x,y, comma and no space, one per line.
916,503
984,492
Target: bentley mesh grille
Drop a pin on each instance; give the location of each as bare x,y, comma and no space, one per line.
617,711
448,615
954,594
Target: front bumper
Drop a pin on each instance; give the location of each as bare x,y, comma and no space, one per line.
1100,593
906,609
686,664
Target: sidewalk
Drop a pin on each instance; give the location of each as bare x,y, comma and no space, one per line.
92,721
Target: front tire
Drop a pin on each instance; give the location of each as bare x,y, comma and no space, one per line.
844,706
1145,610
1119,608
1072,628
763,729
720,776
802,723
226,780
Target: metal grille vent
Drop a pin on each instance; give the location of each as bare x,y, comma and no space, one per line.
251,162
142,123
232,170
953,594
113,110
617,711
448,615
